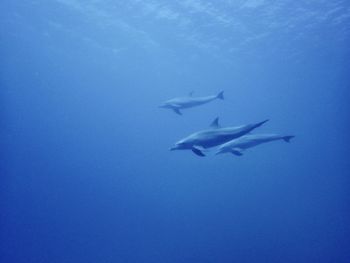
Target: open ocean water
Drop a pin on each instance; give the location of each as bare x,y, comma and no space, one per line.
86,172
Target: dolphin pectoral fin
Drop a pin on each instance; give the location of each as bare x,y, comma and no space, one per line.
237,151
288,138
198,150
177,111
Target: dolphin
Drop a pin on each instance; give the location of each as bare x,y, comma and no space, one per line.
214,136
178,104
237,146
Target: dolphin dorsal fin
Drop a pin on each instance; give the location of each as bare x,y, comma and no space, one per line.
215,124
190,94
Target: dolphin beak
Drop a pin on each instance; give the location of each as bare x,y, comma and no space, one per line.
175,147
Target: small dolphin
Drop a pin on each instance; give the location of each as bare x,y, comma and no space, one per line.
178,104
237,146
199,141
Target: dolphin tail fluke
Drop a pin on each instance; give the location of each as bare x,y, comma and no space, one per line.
220,95
261,123
288,138
177,111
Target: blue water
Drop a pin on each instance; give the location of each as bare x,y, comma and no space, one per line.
86,171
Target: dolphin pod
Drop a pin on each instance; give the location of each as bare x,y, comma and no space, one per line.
178,104
234,140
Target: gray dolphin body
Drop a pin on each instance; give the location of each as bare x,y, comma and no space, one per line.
214,136
237,146
178,104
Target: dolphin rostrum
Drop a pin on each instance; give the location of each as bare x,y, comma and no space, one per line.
177,104
237,146
214,136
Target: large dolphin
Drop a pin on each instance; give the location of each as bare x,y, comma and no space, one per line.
237,146
178,104
199,141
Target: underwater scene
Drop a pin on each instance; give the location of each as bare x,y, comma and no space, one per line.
189,131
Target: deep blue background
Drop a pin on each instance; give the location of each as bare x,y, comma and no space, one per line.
86,175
